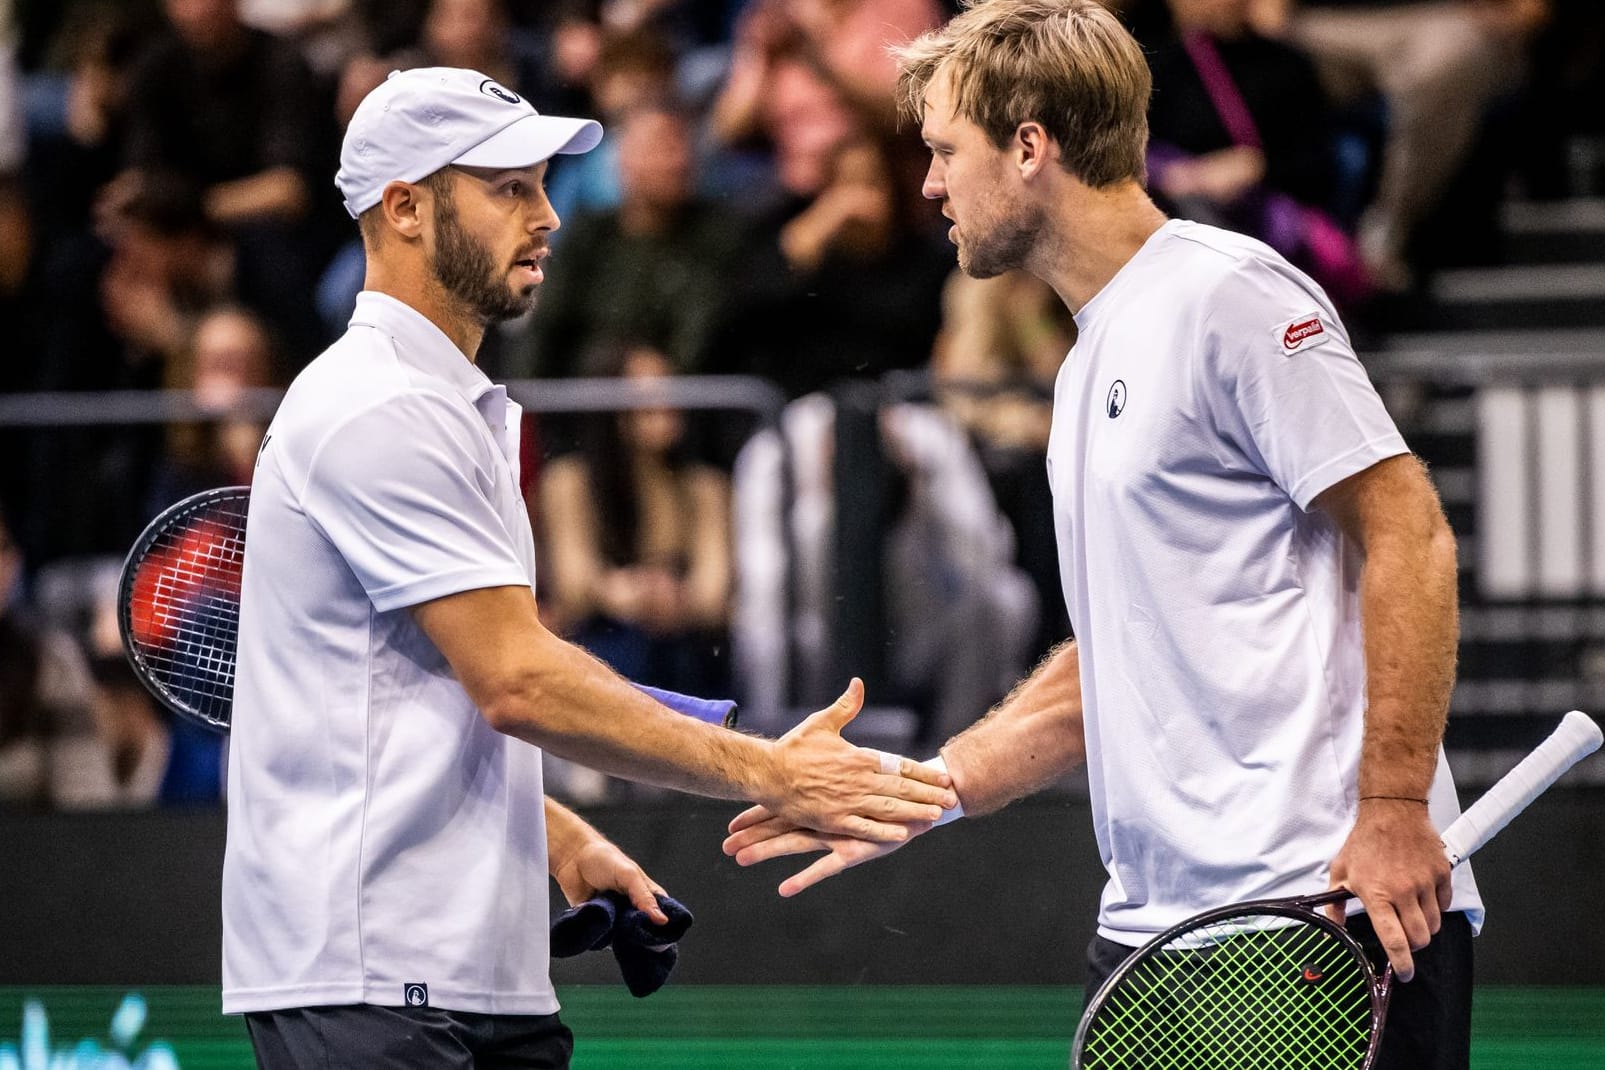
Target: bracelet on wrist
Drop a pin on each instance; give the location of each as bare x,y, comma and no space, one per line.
1394,798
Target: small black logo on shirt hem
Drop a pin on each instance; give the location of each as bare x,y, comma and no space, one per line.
415,994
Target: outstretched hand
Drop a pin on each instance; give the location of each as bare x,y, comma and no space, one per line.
756,836
826,783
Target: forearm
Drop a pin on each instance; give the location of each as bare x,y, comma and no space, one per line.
572,705
530,684
1027,741
1410,617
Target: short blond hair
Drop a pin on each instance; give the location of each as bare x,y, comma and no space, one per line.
1067,64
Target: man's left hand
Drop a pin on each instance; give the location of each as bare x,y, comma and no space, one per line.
756,836
1393,862
600,866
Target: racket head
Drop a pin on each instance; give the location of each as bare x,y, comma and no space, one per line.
1261,985
178,604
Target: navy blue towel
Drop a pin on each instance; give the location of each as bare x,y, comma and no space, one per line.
645,950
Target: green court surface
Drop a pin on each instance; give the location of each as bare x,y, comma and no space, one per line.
751,1028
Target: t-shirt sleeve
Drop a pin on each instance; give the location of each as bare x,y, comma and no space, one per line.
1286,386
404,490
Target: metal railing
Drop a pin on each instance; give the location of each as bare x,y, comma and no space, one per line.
738,393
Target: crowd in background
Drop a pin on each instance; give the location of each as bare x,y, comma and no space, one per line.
168,220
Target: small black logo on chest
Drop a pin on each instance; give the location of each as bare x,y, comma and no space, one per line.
1115,404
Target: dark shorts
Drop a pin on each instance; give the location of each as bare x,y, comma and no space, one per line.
1429,1019
406,1038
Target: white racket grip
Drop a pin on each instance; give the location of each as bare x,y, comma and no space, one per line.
1576,738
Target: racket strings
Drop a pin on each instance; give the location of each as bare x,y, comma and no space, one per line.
1247,994
184,606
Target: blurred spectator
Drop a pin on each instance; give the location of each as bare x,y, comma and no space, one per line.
842,45
844,286
656,268
168,263
994,365
478,34
775,99
634,70
851,41
327,32
947,578
638,538
153,757
15,233
133,728
290,18
56,317
53,750
229,354
1240,138
75,112
1439,65
234,111
166,266
571,33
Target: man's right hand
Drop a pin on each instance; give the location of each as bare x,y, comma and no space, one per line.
822,782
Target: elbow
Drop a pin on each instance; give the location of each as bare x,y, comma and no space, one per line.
507,704
515,700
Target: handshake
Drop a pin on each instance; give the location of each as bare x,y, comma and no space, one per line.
814,791
757,835
851,803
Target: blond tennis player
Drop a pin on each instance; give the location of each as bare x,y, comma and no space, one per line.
1259,575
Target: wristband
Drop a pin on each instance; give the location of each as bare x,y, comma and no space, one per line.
940,765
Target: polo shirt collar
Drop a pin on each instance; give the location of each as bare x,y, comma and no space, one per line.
421,344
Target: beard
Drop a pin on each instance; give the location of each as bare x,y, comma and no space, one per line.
1001,247
466,270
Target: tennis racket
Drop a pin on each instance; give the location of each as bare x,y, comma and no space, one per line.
1274,984
178,610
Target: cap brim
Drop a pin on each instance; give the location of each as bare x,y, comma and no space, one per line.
527,141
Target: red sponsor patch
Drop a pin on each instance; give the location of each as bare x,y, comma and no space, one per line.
1302,331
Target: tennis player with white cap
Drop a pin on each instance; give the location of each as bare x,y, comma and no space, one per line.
389,842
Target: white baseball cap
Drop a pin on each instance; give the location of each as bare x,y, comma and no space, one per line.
420,120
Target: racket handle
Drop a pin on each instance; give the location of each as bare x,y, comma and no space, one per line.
1576,738
712,710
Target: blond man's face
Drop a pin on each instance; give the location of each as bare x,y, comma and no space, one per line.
992,227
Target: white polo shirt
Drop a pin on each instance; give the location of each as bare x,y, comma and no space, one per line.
381,836
1211,395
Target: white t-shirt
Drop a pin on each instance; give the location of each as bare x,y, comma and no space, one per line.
1211,395
381,835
